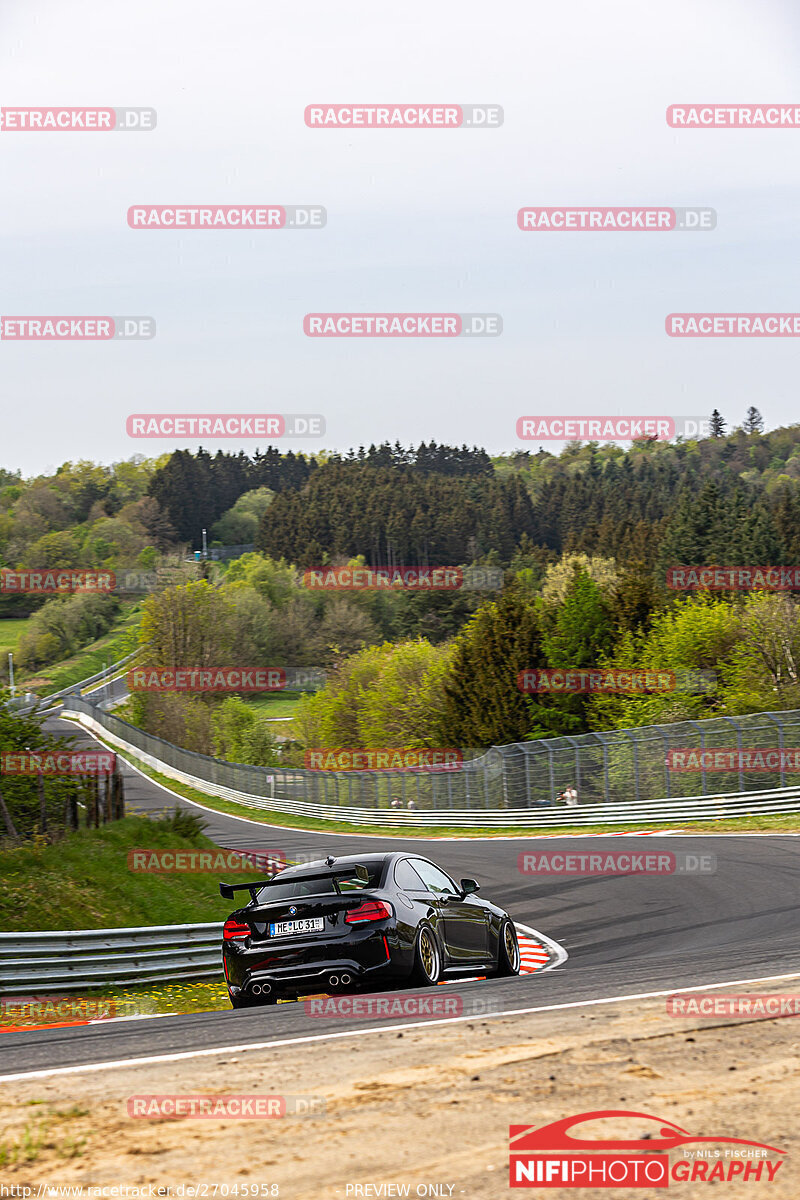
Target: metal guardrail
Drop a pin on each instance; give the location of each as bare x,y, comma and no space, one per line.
87,958
533,816
627,766
45,705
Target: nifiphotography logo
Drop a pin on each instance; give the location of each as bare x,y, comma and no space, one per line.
552,1156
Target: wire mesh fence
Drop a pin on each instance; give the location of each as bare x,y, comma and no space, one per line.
755,752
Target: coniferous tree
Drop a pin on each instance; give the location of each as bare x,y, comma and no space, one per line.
577,635
484,705
753,422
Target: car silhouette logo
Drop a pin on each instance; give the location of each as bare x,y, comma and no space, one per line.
556,1136
292,911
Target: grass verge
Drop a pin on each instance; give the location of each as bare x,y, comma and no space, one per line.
134,1000
274,706
119,641
11,630
84,881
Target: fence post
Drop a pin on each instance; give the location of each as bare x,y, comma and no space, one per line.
635,751
699,727
738,729
667,780
551,774
777,721
606,781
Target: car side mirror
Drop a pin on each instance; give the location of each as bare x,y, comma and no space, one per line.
468,886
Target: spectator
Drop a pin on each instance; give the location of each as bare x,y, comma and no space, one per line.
411,804
571,797
397,803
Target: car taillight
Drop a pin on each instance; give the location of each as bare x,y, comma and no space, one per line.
234,929
370,910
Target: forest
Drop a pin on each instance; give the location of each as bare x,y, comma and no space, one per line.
584,541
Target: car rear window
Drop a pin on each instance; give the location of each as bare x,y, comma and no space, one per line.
291,889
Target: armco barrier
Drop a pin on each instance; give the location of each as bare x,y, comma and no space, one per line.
618,767
266,797
87,958
45,705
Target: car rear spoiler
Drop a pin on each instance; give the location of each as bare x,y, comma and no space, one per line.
227,889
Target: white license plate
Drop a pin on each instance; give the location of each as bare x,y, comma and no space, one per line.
311,925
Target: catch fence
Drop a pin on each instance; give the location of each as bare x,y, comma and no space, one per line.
621,767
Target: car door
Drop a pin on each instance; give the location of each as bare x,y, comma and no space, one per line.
464,918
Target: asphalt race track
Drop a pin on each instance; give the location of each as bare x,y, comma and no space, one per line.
625,935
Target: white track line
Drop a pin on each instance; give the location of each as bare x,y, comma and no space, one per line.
184,1055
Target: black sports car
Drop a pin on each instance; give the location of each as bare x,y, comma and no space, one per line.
361,920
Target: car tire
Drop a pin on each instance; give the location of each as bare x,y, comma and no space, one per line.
508,956
427,959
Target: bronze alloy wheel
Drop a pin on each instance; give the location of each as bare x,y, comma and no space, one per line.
427,952
427,959
512,946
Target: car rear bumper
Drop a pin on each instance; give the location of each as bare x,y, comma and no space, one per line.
368,954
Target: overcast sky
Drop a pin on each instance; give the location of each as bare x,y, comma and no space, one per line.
417,220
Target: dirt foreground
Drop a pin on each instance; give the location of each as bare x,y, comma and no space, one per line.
423,1112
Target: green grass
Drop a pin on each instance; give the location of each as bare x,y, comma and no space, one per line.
779,823
84,881
119,641
281,704
11,630
133,1000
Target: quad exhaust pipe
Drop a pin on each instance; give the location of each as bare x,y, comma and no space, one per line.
343,980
